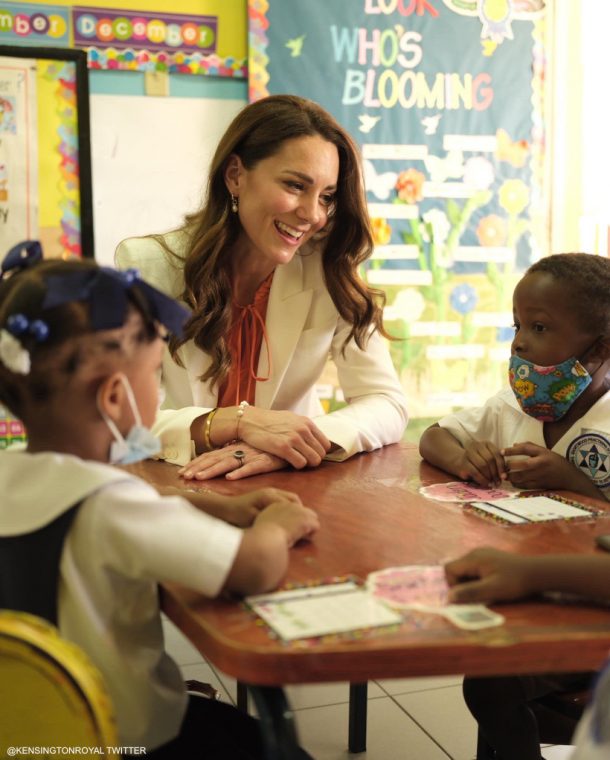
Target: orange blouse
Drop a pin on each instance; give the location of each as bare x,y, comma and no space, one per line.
245,339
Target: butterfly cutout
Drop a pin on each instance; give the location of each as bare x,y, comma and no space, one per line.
367,122
381,185
296,46
441,169
514,153
430,124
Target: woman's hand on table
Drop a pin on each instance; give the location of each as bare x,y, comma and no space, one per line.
269,440
291,437
223,461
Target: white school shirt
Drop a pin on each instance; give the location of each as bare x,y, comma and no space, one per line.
304,329
500,420
592,736
124,540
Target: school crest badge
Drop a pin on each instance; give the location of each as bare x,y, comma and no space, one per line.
590,453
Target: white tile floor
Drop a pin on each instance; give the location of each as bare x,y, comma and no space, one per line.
408,719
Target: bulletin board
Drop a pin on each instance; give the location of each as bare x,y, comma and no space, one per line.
45,154
446,98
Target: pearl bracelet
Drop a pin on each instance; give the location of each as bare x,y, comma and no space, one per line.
240,413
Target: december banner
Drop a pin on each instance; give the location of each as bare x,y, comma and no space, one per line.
103,27
135,40
152,41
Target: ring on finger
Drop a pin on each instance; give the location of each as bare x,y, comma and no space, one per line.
240,456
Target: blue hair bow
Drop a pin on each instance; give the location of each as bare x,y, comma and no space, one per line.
21,256
106,291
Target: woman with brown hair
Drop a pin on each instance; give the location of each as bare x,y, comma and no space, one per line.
269,268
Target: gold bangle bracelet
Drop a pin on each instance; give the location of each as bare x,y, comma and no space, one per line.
207,441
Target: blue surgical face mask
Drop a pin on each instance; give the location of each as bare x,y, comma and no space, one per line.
139,444
546,393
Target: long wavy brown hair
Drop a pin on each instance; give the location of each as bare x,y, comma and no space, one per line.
257,133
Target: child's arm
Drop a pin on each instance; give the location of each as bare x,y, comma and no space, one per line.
479,461
545,469
262,558
238,510
486,575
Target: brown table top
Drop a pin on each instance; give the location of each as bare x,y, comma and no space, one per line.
372,517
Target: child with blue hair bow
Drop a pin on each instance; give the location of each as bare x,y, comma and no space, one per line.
84,544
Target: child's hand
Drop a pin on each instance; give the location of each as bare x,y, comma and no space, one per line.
244,509
482,462
542,468
486,575
295,520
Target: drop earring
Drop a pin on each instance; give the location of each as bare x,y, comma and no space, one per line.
234,204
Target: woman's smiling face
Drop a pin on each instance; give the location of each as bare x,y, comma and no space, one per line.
284,199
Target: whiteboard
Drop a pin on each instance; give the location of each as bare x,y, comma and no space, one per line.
149,162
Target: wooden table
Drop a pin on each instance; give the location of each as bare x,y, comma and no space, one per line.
372,516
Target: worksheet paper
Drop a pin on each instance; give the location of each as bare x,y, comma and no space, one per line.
319,610
461,491
531,509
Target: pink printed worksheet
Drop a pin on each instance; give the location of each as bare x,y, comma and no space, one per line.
461,491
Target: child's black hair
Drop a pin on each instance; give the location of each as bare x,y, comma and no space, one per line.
53,361
587,278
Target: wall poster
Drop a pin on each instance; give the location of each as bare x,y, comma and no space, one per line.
446,100
45,162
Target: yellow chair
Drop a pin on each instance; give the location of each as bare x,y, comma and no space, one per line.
50,693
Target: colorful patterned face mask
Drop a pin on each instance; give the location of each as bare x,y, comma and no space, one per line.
546,393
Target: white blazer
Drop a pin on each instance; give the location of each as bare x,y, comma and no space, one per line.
304,329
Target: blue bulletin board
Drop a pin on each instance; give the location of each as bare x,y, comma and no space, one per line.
445,98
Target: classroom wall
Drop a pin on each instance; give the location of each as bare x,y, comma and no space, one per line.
150,154
152,134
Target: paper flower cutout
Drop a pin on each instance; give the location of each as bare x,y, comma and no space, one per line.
492,231
514,196
463,298
382,232
13,355
410,185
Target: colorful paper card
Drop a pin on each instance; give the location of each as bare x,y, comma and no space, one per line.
424,588
402,587
461,491
533,509
320,610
